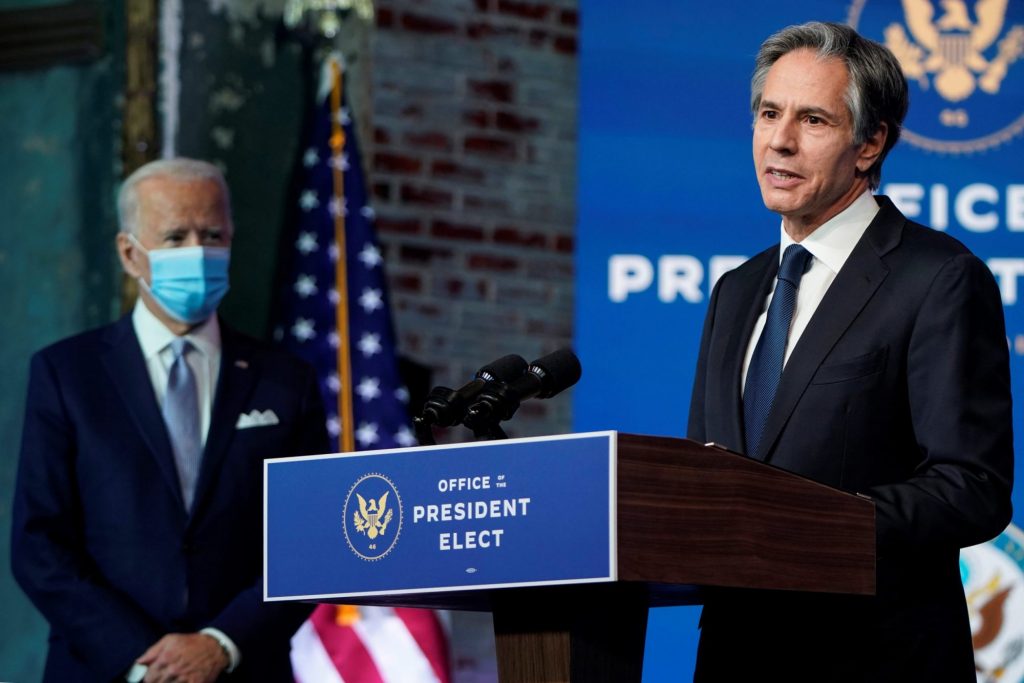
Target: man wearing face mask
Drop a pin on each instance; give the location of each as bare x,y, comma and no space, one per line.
138,507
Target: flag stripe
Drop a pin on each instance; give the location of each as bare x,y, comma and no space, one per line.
394,650
310,661
425,628
345,648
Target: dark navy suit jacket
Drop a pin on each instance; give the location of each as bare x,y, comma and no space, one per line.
898,389
101,541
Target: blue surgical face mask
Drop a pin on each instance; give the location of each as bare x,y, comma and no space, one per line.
187,282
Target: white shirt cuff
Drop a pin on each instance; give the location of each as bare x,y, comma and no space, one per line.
234,656
136,673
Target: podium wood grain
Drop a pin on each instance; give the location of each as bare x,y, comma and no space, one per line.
690,514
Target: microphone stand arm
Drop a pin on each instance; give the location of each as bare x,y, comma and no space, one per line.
424,431
489,410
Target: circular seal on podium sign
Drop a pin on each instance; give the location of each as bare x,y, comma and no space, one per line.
372,517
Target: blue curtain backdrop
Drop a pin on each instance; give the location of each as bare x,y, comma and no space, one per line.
668,197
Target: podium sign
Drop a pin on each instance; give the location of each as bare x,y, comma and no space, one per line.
521,512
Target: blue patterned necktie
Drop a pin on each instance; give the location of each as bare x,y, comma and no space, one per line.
181,415
765,369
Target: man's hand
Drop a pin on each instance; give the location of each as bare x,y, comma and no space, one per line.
184,658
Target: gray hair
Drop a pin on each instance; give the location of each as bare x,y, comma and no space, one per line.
877,91
177,169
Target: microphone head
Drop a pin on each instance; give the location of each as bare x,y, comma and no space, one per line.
505,369
556,371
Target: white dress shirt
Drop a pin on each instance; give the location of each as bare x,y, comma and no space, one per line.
830,245
155,340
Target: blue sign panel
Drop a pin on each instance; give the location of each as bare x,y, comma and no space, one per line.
469,516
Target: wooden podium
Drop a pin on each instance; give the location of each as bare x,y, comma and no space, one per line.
688,518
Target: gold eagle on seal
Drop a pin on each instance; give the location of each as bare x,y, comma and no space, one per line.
372,518
952,46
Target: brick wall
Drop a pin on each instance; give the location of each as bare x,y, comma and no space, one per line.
473,169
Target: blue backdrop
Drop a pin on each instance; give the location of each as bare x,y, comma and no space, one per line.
668,198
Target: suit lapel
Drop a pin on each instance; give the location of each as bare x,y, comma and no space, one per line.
853,287
126,368
745,309
234,386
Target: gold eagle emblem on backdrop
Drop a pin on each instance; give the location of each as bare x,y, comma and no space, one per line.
952,46
987,606
372,518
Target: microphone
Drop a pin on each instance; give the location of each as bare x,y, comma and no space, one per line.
544,378
446,407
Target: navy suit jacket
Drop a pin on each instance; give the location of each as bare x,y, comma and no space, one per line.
101,541
899,390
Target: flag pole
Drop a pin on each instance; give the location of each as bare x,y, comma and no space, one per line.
337,143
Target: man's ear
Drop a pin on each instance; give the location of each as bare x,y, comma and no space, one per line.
127,252
872,148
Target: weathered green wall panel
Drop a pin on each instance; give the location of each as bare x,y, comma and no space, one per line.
58,271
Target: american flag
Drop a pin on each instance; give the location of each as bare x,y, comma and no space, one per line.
335,314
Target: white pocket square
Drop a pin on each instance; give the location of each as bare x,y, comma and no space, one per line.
257,418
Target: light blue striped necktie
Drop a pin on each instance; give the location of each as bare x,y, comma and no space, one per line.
181,415
765,369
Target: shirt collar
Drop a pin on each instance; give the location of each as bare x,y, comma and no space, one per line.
833,242
154,336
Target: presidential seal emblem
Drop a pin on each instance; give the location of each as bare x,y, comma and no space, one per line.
993,577
961,62
372,518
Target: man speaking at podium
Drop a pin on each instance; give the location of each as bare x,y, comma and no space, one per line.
863,351
138,510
